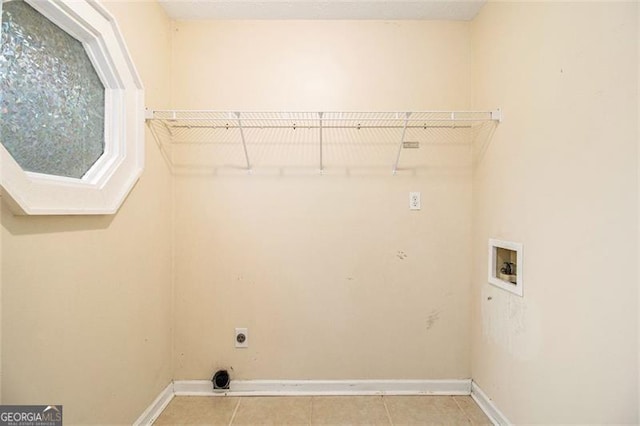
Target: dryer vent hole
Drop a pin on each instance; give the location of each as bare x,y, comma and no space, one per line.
221,379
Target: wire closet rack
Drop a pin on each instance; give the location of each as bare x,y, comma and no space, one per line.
246,140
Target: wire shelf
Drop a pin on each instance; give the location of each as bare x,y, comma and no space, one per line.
192,139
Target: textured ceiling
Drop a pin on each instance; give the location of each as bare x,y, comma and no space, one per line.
323,9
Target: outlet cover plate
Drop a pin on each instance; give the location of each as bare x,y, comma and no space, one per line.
414,201
239,341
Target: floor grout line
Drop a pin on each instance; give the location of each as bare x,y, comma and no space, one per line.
384,402
311,412
233,416
462,410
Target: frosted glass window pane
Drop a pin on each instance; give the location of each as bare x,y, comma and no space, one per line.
51,99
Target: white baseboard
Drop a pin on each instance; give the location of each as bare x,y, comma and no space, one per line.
157,406
486,404
325,387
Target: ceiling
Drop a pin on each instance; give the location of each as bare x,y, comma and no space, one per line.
459,10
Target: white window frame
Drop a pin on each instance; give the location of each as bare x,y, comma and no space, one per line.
103,189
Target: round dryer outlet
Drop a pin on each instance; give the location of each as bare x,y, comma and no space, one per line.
242,338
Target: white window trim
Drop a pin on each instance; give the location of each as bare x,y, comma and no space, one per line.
103,189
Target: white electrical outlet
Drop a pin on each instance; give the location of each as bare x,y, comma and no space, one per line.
414,201
242,338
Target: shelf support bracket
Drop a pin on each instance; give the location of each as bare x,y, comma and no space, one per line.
321,165
244,143
404,132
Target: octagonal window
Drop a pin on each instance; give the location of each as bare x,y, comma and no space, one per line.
71,109
52,101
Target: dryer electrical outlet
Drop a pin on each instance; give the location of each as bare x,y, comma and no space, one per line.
242,337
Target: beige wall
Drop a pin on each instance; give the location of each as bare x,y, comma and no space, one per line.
333,275
560,176
321,65
86,300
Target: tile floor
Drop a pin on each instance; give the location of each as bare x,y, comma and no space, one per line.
323,410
